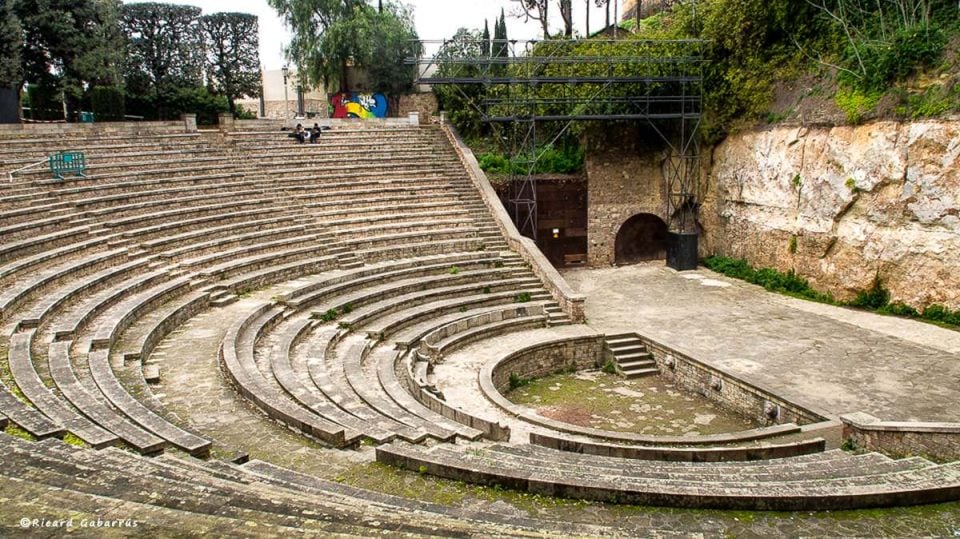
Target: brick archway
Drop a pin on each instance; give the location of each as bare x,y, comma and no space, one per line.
641,238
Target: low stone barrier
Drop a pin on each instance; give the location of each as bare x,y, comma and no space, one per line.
571,302
935,441
731,392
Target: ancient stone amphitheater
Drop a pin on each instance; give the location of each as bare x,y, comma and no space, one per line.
204,310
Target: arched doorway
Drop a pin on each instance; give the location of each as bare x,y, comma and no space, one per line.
643,237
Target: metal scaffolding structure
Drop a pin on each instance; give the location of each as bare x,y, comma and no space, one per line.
531,90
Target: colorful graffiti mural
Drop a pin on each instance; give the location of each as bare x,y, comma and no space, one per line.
354,105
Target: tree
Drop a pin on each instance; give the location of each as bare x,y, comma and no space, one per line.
486,37
332,35
324,37
71,44
392,41
11,72
461,102
233,58
566,13
536,10
11,41
165,47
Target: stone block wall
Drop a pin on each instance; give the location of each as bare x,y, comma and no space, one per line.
728,391
935,441
425,103
549,358
624,178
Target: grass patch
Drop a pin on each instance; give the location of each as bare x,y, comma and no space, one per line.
70,439
874,299
523,297
17,432
518,381
328,316
454,270
788,283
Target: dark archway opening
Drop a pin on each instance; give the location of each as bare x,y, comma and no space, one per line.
643,237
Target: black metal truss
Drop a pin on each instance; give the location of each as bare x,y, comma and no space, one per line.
528,84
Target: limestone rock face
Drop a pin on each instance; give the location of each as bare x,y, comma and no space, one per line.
874,200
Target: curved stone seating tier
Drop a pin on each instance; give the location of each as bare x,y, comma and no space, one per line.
137,346
381,286
387,362
31,285
171,233
266,274
51,302
11,248
216,252
354,352
119,316
289,368
66,327
57,249
308,295
61,370
222,496
113,390
236,354
411,335
46,401
448,337
181,216
764,451
873,481
405,377
26,417
200,239
326,372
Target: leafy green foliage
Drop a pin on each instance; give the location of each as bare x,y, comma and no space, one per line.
855,103
876,298
551,160
165,47
517,381
329,35
523,297
329,316
108,103
44,101
609,367
232,43
69,44
11,41
786,283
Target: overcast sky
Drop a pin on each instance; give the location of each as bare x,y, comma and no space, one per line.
436,19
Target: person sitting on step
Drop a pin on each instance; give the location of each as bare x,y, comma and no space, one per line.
315,133
300,134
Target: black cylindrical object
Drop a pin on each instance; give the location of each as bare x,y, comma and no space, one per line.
682,251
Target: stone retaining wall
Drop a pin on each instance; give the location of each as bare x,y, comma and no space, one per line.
935,441
549,358
572,303
730,392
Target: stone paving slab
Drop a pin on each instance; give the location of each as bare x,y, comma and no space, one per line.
828,358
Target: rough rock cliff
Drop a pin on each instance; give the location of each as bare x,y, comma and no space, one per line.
875,200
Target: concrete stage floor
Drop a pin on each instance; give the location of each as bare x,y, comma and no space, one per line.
828,358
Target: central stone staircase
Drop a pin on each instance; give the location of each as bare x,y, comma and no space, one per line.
630,356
